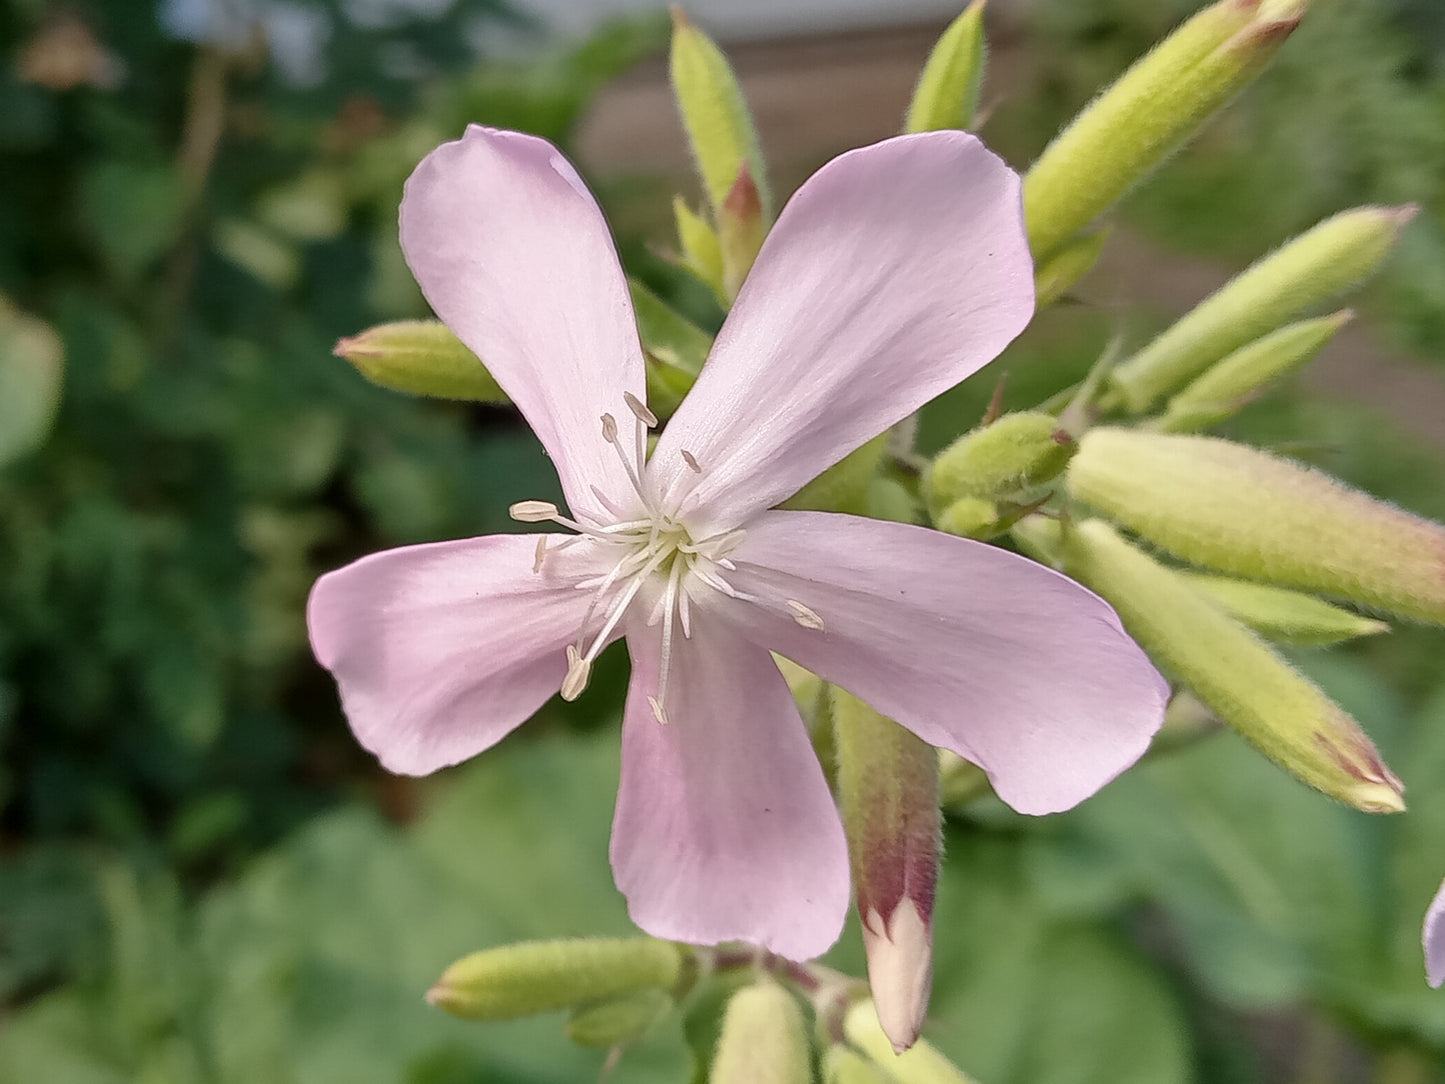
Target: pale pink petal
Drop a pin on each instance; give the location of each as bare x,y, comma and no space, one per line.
1434,939
892,274
973,648
441,650
514,256
725,829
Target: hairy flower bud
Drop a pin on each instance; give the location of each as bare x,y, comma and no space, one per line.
539,976
1000,460
1230,669
1282,615
420,357
741,230
1303,273
920,1064
843,1065
620,1020
947,91
970,517
763,1040
1070,262
1239,510
888,790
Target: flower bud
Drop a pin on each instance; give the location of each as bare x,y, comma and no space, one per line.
1237,675
420,357
1303,273
620,1020
947,91
970,517
763,1040
715,116
1154,107
740,230
1284,616
675,348
920,1064
843,1065
539,976
1233,383
888,791
701,253
1070,262
1004,459
1239,510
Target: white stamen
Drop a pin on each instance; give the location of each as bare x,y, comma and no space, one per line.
533,511
540,555
639,410
804,616
634,473
609,429
579,669
606,502
669,600
658,712
691,461
684,612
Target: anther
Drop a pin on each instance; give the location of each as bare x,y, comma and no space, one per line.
533,511
540,555
658,711
609,429
579,669
691,461
804,616
639,410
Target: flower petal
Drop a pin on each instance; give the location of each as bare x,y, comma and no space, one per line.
514,256
1434,940
725,828
893,273
973,648
441,650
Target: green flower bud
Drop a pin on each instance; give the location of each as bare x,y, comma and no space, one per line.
842,1065
1242,511
920,1064
947,91
1070,262
970,517
1232,384
888,792
540,976
620,1020
740,230
701,252
675,347
1303,273
1239,677
1149,112
420,357
763,1040
715,116
1282,615
1009,457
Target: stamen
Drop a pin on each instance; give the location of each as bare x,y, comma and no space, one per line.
665,662
533,511
639,410
540,555
609,434
804,616
684,611
579,669
691,461
605,502
658,712
609,429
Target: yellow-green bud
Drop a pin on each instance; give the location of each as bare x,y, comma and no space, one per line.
763,1040
1285,616
740,231
843,1065
1239,510
1070,262
920,1064
1004,459
1239,677
843,487
947,91
960,781
888,794
675,347
1232,384
32,364
620,1020
539,976
970,517
714,114
701,252
420,357
1302,274
1154,107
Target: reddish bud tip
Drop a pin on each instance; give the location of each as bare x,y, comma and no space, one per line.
743,200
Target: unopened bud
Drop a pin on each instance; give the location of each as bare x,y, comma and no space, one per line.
1232,671
619,1021
675,348
1285,616
701,253
947,91
539,976
1237,380
1302,274
1070,262
843,1065
888,791
970,517
1007,458
741,230
420,357
920,1064
1239,510
763,1040
1152,109
714,114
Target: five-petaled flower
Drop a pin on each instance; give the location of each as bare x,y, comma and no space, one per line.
892,274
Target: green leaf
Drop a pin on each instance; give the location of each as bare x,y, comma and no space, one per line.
134,212
947,91
31,370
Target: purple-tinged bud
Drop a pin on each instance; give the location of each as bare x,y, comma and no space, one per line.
888,790
741,229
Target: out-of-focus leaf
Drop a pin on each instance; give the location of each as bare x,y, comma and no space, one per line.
133,210
31,364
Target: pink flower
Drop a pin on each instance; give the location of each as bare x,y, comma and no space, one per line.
1434,940
892,274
